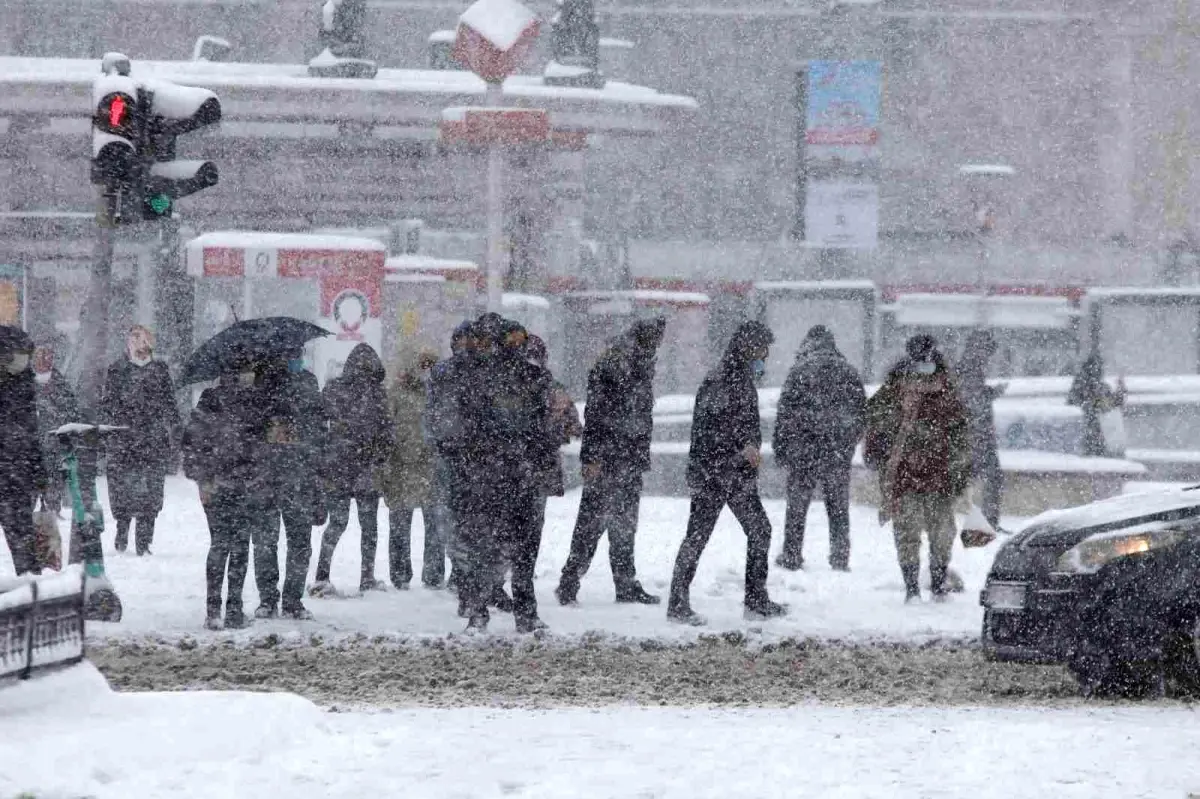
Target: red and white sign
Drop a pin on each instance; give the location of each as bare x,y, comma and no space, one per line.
493,38
494,126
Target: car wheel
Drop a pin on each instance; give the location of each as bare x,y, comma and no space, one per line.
1184,658
1100,676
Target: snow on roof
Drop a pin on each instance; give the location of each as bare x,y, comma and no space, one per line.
815,285
217,74
1106,292
619,44
249,239
501,22
515,301
418,263
964,310
647,296
987,170
442,36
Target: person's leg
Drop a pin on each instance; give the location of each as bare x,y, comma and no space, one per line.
993,489
589,526
939,524
801,484
265,538
297,528
748,509
624,503
153,490
368,521
16,518
400,546
835,486
246,517
706,506
220,529
339,518
528,514
121,541
906,528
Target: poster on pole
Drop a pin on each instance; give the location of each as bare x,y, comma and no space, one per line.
12,295
842,110
842,214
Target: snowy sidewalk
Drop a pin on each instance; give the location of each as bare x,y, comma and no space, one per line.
164,594
67,735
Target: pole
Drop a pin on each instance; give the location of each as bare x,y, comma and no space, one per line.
94,318
495,210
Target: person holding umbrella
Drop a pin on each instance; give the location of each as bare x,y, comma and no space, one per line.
289,444
138,394
22,471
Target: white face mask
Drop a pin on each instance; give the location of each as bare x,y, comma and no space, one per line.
245,378
18,363
42,377
140,361
925,368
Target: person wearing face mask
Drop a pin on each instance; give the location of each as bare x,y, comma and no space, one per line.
56,406
294,460
139,394
820,419
618,421
222,448
723,467
22,469
918,440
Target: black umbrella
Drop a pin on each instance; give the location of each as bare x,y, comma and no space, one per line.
248,342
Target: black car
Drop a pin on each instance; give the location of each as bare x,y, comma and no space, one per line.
1110,589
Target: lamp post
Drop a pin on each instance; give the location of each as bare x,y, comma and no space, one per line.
984,183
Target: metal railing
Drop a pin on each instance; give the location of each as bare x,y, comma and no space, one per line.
41,625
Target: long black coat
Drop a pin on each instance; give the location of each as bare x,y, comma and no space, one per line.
56,406
725,421
297,433
618,419
22,470
360,428
141,398
225,439
822,409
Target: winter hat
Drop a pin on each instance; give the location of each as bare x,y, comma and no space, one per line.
461,333
819,334
749,337
535,350
922,347
648,333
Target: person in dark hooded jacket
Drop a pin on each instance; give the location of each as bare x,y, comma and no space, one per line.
1094,398
293,460
617,427
138,394
978,398
22,470
723,470
56,405
821,414
360,440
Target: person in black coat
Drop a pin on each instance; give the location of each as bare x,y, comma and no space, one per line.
56,406
296,430
22,469
618,422
360,439
821,416
223,447
138,394
723,470
978,397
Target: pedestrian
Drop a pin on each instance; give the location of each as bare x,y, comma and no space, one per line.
565,426
917,438
723,462
407,479
22,468
294,458
1096,400
223,448
359,443
500,431
139,395
462,345
56,406
615,453
978,398
821,414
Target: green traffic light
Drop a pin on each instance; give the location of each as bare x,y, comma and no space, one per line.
159,204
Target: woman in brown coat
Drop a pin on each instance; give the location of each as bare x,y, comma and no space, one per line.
407,476
917,438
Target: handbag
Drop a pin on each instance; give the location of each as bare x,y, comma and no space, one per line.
47,541
977,531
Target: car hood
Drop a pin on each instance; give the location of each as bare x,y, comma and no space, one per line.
1063,529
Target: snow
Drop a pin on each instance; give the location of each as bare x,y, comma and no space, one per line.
255,240
80,738
1134,292
556,70
511,301
396,263
963,310
816,285
650,296
442,37
501,22
163,595
1123,506
986,170
51,585
80,427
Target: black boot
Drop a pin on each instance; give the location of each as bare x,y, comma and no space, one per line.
634,594
501,601
912,583
937,582
762,608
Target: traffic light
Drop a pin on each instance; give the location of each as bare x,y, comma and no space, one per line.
172,111
116,130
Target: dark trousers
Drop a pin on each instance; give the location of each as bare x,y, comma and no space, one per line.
609,504
339,518
443,522
494,517
708,500
832,474
297,526
143,532
232,516
521,552
433,560
987,469
16,518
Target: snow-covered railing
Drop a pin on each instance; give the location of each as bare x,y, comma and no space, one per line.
41,623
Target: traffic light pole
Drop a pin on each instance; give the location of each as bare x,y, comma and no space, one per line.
94,320
172,296
495,211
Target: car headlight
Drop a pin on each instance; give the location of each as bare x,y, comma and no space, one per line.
1093,554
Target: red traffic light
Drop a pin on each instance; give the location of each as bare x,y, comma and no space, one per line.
115,114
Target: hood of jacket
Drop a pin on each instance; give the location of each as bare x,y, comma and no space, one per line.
749,337
363,365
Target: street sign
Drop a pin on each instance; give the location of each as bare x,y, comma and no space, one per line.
843,110
842,214
493,38
12,295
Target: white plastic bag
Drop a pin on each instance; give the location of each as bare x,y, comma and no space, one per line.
1112,425
977,531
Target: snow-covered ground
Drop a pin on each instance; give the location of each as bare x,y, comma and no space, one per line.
67,735
163,595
